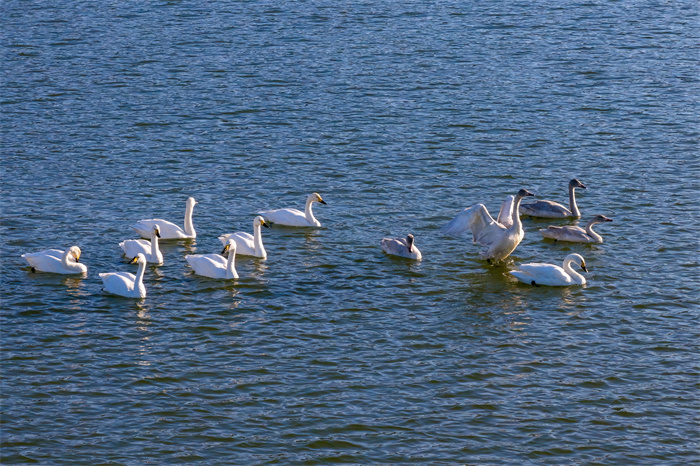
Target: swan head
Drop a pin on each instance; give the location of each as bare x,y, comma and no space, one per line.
230,247
191,202
75,252
576,184
140,259
409,240
260,221
601,219
524,193
578,259
156,230
316,197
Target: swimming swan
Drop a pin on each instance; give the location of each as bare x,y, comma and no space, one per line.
169,230
247,244
549,209
403,247
293,217
150,249
215,265
56,261
552,275
576,234
499,238
124,283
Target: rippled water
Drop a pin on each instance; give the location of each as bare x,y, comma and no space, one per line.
400,115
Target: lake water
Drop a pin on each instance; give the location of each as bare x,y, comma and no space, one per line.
400,114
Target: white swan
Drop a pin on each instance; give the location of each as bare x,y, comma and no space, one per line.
150,249
549,209
169,230
403,247
56,261
215,265
576,234
124,283
552,275
247,244
294,217
498,238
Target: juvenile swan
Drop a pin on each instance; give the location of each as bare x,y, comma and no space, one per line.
56,261
293,217
124,283
552,275
150,249
403,247
215,265
499,239
169,230
247,244
549,209
576,234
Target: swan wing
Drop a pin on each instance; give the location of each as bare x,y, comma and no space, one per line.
505,215
245,242
546,209
568,233
485,230
208,265
45,262
168,230
121,283
396,246
289,217
132,247
544,274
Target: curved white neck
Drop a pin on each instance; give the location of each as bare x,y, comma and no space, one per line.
138,283
576,277
231,265
309,213
155,250
572,202
593,234
68,263
257,239
189,226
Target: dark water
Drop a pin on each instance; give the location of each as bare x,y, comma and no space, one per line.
400,114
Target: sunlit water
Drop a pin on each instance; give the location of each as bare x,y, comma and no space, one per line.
400,115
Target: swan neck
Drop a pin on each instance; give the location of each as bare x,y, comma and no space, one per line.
572,202
154,244
139,275
593,234
257,239
189,226
231,265
515,215
575,276
308,211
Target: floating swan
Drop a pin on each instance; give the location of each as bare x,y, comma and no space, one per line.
293,217
150,249
215,265
56,261
124,283
247,244
576,234
552,275
403,247
169,230
499,238
549,209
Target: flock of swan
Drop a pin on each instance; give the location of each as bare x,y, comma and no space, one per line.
498,239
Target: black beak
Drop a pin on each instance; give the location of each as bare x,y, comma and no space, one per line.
265,225
158,234
134,260
226,248
323,202
582,187
608,220
584,268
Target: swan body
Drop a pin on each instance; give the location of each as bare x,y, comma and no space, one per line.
552,275
403,247
124,283
294,217
550,209
169,230
576,234
56,261
215,265
247,244
498,238
150,249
